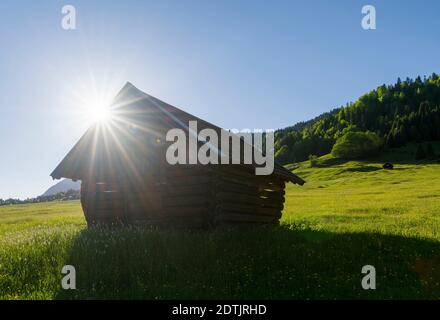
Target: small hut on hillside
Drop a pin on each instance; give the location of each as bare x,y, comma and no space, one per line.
126,179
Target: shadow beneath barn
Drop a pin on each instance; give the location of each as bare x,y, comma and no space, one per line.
260,263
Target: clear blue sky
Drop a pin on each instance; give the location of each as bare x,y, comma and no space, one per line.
239,64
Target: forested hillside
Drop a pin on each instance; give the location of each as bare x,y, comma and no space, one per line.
407,111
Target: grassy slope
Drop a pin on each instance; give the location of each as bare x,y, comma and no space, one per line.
362,197
346,216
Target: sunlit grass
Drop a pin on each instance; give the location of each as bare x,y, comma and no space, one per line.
346,216
362,197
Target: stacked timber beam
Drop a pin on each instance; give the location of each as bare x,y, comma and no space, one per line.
178,196
186,193
188,196
100,203
244,198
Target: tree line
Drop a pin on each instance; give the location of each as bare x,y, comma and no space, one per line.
63,196
407,111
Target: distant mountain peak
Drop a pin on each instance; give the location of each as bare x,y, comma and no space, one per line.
63,186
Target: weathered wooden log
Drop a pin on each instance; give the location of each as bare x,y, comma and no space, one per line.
185,201
187,195
172,171
246,172
235,180
260,184
269,193
184,211
202,190
106,207
271,187
236,197
140,215
244,178
270,196
107,212
191,180
133,208
235,187
168,187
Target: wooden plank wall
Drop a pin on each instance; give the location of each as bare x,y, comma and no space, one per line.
177,196
246,199
188,196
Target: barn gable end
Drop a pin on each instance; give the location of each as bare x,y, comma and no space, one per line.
125,178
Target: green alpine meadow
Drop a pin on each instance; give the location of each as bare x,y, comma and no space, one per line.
219,159
348,214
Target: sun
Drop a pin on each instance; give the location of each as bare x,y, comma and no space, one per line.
98,112
92,105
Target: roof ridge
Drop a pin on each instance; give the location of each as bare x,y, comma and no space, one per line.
281,169
131,94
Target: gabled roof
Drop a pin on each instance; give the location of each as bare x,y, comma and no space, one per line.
99,150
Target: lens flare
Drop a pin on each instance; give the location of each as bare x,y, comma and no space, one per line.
98,112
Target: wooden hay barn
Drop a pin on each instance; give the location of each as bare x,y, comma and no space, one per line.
126,179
